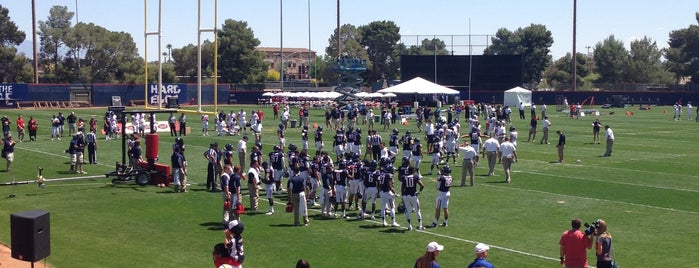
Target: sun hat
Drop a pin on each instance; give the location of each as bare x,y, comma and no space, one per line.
433,246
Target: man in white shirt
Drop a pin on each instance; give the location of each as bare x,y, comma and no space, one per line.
509,156
610,141
468,154
546,124
543,110
253,177
491,147
242,150
689,110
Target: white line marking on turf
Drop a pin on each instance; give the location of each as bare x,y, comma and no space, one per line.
58,155
594,199
448,237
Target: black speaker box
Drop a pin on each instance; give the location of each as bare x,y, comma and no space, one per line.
31,235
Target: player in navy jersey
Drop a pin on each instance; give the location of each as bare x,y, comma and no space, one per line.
416,151
277,160
314,179
476,143
227,154
341,177
304,138
409,183
443,184
268,181
393,141
451,139
280,135
339,141
319,140
406,141
358,141
256,153
370,181
351,138
328,183
387,195
436,154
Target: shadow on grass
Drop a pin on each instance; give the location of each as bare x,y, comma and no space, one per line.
495,182
283,225
394,231
213,226
371,226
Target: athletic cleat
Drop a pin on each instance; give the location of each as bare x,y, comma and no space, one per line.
384,223
372,217
444,224
410,227
421,227
395,224
433,225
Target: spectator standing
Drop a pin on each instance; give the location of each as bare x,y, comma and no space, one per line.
561,145
467,167
596,127
481,251
55,131
32,125
573,245
72,123
171,122
689,110
491,147
211,156
179,172
610,141
532,130
61,123
509,156
297,196
429,259
253,181
91,139
8,151
521,111
183,125
242,149
546,124
205,125
543,110
603,246
20,128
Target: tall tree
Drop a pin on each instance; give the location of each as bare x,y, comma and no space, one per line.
428,47
380,39
106,56
52,36
532,42
13,67
645,63
560,73
239,62
683,52
185,60
612,60
351,39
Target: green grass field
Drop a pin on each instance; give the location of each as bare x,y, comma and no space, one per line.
648,192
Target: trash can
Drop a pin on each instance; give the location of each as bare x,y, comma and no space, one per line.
293,123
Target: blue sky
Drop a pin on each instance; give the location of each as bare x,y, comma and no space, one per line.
597,19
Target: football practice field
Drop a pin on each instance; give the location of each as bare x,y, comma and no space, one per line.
647,192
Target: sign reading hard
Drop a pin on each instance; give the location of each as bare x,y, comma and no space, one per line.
9,93
169,90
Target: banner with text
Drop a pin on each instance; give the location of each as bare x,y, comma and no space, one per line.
169,90
10,93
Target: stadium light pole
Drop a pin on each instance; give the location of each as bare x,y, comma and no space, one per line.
36,60
281,45
575,58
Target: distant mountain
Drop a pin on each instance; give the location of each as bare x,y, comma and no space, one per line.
27,48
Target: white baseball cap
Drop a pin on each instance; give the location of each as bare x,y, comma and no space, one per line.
433,246
480,248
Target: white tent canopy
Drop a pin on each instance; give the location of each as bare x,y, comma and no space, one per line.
516,95
418,85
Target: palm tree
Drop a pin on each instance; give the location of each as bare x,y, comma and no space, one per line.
165,56
169,52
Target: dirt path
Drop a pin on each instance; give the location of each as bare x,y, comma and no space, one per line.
6,260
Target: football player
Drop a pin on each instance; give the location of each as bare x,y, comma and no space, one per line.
319,140
443,184
409,182
387,195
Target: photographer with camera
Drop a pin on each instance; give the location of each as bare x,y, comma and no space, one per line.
573,245
603,245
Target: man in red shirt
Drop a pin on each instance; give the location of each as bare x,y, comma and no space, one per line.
573,246
20,128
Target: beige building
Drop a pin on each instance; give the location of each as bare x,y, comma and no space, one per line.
296,61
